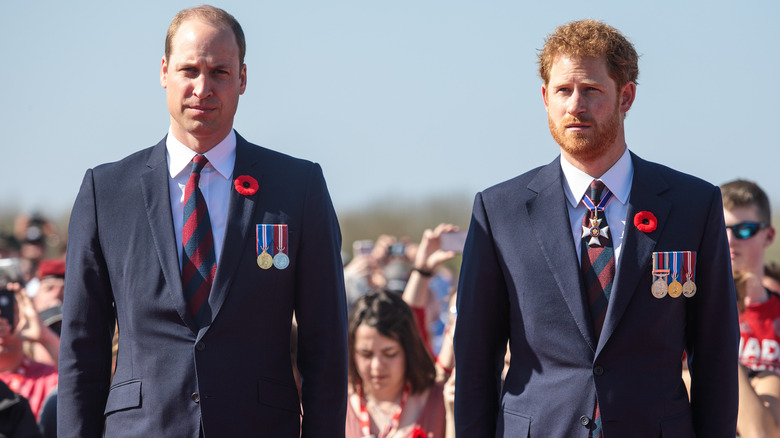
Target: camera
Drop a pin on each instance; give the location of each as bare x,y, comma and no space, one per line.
10,271
397,249
7,302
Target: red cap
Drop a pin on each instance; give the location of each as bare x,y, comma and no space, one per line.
51,268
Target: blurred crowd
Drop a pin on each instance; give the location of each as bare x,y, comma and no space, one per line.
32,276
402,295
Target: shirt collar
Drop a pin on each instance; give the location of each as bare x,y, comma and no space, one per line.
222,156
617,179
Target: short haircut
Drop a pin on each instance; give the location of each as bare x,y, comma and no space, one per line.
212,15
742,193
391,317
592,39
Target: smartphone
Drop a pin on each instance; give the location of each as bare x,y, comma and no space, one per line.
362,247
453,241
397,249
7,301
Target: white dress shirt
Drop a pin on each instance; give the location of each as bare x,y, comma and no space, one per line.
618,180
215,184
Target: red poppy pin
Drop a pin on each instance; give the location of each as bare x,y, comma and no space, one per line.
246,185
418,433
645,221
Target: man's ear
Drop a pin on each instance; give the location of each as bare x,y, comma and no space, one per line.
242,78
627,95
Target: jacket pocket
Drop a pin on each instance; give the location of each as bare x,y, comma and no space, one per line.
513,424
277,395
125,395
678,425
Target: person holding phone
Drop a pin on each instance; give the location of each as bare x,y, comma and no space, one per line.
429,256
19,322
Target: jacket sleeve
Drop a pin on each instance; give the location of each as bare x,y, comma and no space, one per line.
320,310
713,333
87,326
481,331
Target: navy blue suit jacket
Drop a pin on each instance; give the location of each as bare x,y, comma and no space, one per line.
520,282
234,375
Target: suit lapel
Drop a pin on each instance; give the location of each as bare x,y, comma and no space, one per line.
646,190
157,200
550,221
239,231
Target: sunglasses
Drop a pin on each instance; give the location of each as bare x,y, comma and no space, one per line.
746,230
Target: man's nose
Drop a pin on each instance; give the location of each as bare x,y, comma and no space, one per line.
202,88
576,104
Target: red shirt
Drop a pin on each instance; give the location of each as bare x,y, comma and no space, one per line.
33,381
759,327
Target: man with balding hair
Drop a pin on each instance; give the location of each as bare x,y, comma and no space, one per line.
201,248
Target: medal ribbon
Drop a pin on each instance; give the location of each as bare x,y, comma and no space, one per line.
262,234
603,203
268,238
661,265
280,237
365,423
257,238
689,261
676,266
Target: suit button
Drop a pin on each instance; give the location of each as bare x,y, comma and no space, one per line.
584,420
598,370
200,346
195,397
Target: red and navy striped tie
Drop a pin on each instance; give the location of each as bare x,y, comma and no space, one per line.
199,261
597,266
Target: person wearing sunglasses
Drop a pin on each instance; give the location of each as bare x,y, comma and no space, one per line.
746,213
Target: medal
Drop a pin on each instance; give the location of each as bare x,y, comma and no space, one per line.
675,288
281,261
660,286
594,231
689,289
264,260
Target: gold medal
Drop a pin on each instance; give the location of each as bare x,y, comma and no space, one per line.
689,289
675,289
659,288
265,261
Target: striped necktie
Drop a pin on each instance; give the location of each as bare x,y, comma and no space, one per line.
597,265
199,262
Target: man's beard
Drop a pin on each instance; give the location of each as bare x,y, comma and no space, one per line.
592,143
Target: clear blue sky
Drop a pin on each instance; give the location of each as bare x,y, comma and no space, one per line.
405,98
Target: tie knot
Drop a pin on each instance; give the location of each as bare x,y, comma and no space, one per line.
198,163
596,189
